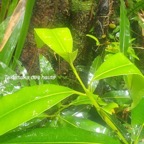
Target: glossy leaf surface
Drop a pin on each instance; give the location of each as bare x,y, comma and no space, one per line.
121,97
48,75
58,135
116,65
59,40
28,103
95,65
10,82
86,124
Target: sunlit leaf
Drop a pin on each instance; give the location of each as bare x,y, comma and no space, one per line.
58,39
28,103
116,65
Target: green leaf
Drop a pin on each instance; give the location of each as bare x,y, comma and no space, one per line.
116,65
109,108
116,125
67,135
10,82
95,65
28,103
136,7
83,100
124,29
24,31
136,88
121,97
86,124
6,55
93,37
137,115
138,134
59,40
48,75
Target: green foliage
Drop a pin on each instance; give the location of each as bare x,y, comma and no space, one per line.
111,67
58,135
124,29
16,28
95,65
35,100
41,111
28,103
59,40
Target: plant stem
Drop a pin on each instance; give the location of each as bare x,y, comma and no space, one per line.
77,76
101,112
88,93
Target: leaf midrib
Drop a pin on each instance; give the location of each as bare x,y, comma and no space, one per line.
14,109
111,70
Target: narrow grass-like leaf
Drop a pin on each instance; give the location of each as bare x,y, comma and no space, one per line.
116,65
4,9
14,19
124,29
28,103
11,37
136,7
93,37
24,30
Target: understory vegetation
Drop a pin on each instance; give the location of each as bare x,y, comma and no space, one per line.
71,71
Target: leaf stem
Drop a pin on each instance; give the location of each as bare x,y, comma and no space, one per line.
88,93
104,116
